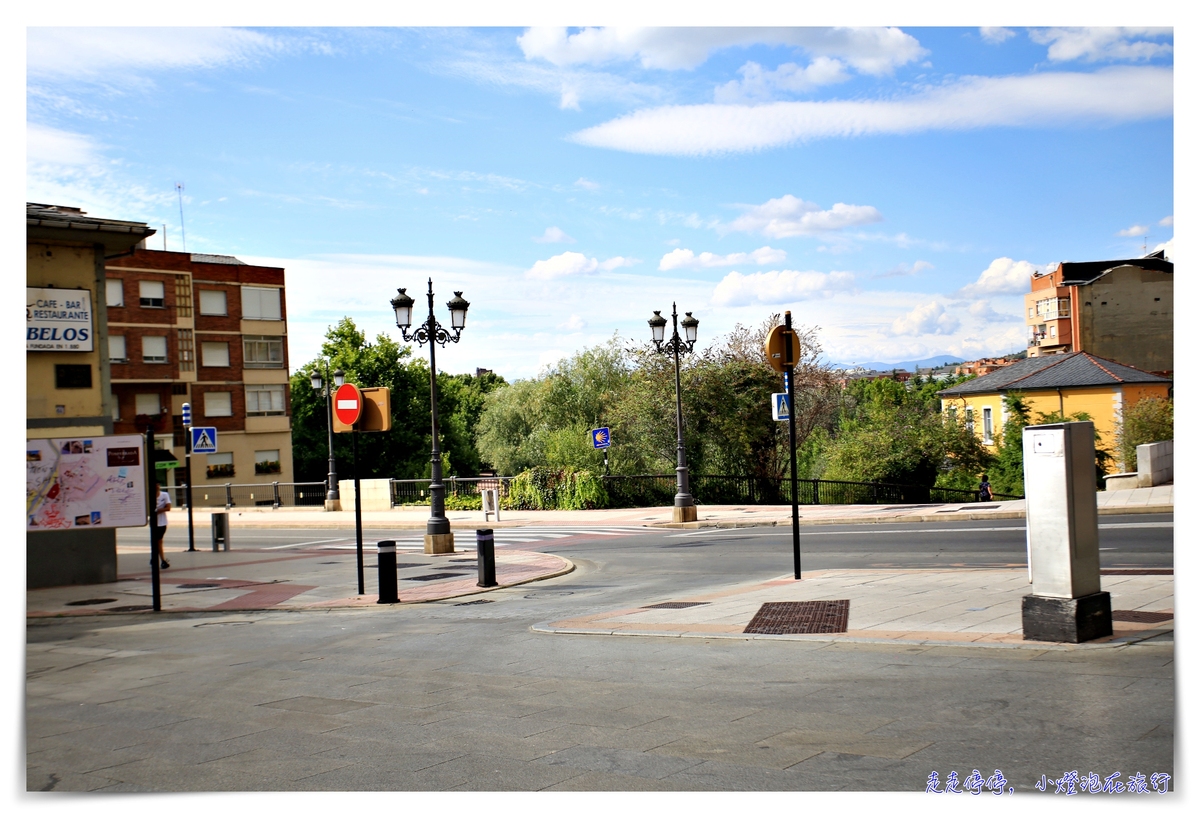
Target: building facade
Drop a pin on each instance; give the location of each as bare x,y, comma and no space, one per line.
67,376
211,331
1120,310
1066,384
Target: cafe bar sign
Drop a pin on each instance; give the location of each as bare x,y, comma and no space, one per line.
58,320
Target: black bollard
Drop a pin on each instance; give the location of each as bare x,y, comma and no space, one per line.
485,549
387,572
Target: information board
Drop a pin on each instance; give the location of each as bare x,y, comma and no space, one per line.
58,320
92,482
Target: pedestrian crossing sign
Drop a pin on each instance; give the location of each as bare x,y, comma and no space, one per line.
204,439
780,406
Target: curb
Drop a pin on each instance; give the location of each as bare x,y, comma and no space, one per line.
908,518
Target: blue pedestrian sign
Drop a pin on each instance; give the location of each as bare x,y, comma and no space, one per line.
601,439
204,439
780,406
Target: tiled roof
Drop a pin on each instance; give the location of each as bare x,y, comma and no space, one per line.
72,218
209,258
1052,372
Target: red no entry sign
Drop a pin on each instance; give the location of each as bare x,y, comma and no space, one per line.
347,404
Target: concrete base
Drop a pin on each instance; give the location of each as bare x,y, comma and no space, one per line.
75,557
1048,619
333,505
683,514
439,543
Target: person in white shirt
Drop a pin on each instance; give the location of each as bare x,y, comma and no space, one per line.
162,505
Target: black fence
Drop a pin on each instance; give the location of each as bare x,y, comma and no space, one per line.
417,491
228,495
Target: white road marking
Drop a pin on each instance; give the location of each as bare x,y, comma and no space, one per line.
785,531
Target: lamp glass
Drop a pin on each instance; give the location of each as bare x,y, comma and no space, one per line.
339,377
404,316
690,331
458,319
658,327
317,381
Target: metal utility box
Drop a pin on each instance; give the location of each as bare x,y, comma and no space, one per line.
220,530
1067,604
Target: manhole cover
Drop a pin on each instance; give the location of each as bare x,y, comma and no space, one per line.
473,602
400,566
431,577
1136,572
472,559
192,585
131,608
91,602
823,616
673,605
335,562
1143,616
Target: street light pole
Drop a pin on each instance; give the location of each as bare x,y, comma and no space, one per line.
333,497
684,510
439,539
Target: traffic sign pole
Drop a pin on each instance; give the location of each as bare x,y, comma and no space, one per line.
788,370
187,466
358,515
152,510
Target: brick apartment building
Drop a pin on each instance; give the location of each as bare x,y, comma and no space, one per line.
211,331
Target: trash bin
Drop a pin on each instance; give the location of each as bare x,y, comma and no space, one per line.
485,550
220,530
388,592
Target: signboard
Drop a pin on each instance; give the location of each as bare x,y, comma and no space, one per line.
780,407
204,440
347,404
601,439
58,320
165,459
92,482
776,348
376,415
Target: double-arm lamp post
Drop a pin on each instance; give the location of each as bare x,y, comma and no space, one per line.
321,385
685,505
438,537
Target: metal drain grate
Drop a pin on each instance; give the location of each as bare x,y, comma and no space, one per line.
400,566
674,605
473,602
131,608
1143,616
91,602
822,616
1136,572
431,577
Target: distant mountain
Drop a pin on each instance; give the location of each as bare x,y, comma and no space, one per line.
883,366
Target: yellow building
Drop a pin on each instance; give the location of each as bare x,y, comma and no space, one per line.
1066,383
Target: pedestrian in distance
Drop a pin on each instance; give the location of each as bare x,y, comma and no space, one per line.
162,504
985,490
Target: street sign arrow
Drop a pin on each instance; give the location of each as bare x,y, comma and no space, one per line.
347,404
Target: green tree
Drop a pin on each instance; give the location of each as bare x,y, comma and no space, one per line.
1008,470
1148,421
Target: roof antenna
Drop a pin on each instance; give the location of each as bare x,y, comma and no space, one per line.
182,232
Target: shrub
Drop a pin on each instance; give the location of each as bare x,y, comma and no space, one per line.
542,488
1147,421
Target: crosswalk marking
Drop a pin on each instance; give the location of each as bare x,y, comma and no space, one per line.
503,536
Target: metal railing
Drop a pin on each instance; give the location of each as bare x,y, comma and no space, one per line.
228,495
417,491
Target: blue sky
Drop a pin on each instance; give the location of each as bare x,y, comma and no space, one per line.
893,186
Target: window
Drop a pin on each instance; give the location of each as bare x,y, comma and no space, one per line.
212,302
267,462
1053,331
1031,312
952,410
261,304
262,352
214,353
116,349
151,294
116,406
221,463
154,349
970,418
987,424
114,292
264,400
72,376
218,404
187,351
147,404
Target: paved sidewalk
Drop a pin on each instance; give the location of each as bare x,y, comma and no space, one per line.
1159,499
980,607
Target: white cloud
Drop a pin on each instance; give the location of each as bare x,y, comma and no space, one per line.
779,287
906,269
1002,276
573,324
1058,98
569,86
1134,230
115,53
682,259
554,235
926,319
1103,43
759,85
1166,221
52,146
983,312
789,216
572,264
995,34
1168,246
870,50
586,184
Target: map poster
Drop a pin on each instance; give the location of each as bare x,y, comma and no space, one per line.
93,482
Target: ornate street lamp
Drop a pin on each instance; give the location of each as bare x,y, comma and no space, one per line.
320,385
685,505
438,537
